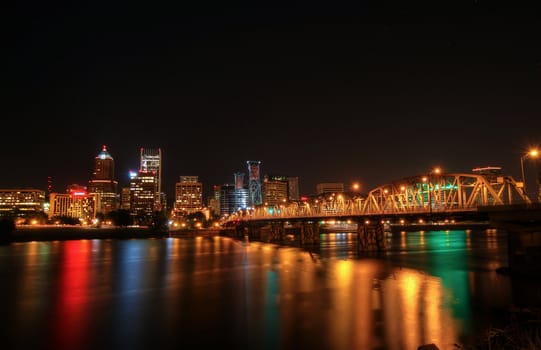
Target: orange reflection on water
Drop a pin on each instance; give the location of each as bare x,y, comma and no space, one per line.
413,312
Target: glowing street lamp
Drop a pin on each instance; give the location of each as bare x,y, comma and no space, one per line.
532,153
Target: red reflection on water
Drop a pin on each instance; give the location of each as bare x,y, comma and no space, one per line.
70,308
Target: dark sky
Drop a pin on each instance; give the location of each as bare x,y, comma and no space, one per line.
330,92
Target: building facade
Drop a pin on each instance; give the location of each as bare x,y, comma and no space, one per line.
188,196
21,202
151,163
275,190
77,204
254,183
103,185
143,196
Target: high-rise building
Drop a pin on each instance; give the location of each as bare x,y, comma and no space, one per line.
293,191
103,185
227,199
275,190
143,195
254,183
188,195
151,163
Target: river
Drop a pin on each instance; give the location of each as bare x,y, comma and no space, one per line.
436,287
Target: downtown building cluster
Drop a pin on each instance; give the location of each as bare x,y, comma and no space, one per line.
102,198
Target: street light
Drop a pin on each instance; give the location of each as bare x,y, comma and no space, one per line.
533,153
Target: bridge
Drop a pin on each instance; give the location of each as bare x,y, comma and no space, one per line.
417,199
421,195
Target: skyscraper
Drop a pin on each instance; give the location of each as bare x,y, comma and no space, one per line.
151,163
103,185
142,196
254,183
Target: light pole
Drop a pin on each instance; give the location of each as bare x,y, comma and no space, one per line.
533,153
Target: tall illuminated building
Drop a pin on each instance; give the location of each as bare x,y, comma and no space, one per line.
188,195
142,196
103,185
151,163
254,183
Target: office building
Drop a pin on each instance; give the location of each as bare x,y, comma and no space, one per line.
21,202
254,183
151,163
188,196
143,195
76,203
275,190
103,185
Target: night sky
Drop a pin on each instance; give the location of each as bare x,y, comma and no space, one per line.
353,92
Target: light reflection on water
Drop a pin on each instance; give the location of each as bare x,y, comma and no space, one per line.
430,287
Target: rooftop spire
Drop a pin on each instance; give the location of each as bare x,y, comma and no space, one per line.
104,154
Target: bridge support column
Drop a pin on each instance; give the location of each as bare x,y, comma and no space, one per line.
254,232
370,237
277,231
309,233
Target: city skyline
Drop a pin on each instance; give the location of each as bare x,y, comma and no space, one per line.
349,92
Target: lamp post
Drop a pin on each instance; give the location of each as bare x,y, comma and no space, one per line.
533,153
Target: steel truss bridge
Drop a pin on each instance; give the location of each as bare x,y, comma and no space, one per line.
434,194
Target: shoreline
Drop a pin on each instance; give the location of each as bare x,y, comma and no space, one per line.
56,233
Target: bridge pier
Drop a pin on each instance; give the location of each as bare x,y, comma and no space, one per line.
371,237
309,233
277,231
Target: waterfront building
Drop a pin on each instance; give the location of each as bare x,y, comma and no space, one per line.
21,202
329,187
77,203
151,163
188,195
103,185
275,190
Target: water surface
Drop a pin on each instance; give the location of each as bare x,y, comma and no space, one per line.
430,287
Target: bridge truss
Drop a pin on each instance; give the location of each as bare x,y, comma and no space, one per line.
423,194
